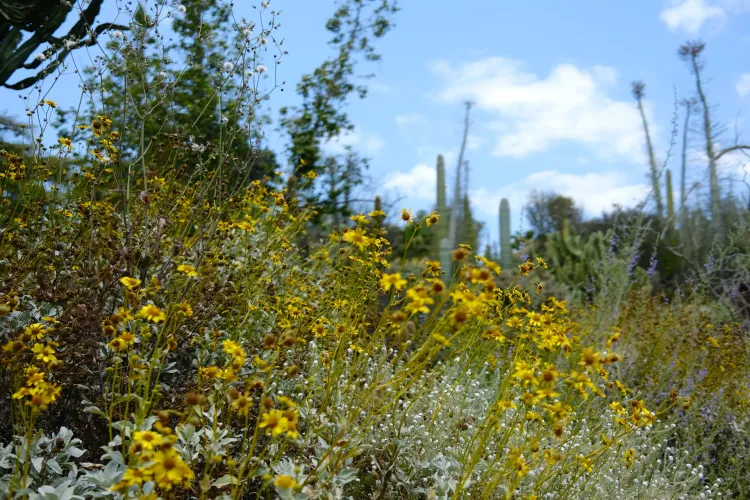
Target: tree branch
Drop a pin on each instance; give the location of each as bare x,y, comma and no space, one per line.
736,147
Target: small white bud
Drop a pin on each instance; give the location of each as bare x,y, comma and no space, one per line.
70,44
40,57
228,66
181,9
117,35
263,40
261,69
264,4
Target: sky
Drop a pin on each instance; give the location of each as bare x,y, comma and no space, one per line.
550,82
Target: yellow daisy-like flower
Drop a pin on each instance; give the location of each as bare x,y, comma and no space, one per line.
130,283
242,404
65,142
187,269
274,422
395,281
170,470
44,353
357,238
285,482
36,331
433,267
152,313
148,440
185,309
432,219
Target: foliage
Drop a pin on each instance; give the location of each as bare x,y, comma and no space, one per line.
546,212
321,117
169,333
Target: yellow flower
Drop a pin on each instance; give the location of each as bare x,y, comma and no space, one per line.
130,283
148,440
44,353
441,339
377,213
432,219
65,142
274,422
514,322
357,238
522,468
170,470
395,281
135,477
242,404
185,309
360,219
187,269
629,455
152,313
433,267
503,405
285,482
36,331
50,103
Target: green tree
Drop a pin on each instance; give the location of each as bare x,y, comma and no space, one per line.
547,211
324,92
186,92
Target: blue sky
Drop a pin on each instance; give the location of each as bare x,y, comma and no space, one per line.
551,86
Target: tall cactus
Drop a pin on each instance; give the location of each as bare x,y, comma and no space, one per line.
505,251
469,227
442,207
670,201
378,208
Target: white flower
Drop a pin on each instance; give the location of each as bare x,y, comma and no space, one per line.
263,40
248,32
117,35
228,66
39,56
249,73
264,4
261,69
70,44
181,9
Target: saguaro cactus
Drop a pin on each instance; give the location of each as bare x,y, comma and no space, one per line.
469,233
505,251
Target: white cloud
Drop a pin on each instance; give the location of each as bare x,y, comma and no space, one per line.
473,142
362,142
531,114
595,192
743,85
691,15
379,87
410,119
418,184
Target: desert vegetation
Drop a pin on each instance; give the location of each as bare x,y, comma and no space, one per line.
185,313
